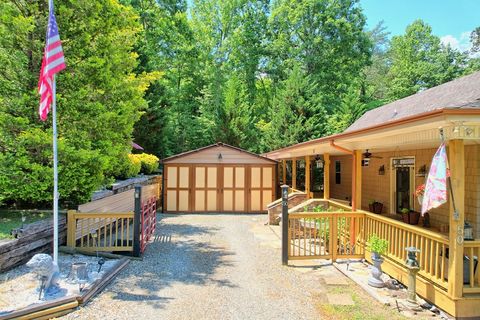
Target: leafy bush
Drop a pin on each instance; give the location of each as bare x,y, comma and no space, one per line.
129,167
376,244
149,162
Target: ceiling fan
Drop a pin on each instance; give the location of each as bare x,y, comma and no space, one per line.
368,155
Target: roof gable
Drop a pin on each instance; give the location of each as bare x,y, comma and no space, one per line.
217,154
461,93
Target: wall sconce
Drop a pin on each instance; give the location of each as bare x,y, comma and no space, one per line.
422,171
365,162
381,170
220,157
301,164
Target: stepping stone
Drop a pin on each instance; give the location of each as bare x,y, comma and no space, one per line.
340,299
335,280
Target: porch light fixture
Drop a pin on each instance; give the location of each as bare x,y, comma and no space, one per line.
301,165
319,162
220,157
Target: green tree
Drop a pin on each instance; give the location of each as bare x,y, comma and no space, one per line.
297,115
99,98
326,37
419,61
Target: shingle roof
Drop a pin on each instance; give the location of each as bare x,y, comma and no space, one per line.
461,93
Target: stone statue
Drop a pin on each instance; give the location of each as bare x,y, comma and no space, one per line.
46,270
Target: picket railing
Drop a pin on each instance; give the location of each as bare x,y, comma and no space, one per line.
325,235
471,282
100,231
433,255
148,221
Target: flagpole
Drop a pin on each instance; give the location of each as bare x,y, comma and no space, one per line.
55,174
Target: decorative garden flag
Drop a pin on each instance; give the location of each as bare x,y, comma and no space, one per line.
53,62
436,186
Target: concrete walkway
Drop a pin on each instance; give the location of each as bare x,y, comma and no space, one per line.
215,267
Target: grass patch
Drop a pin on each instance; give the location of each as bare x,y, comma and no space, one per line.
13,219
365,307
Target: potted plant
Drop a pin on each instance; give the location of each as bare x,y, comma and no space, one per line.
377,247
405,215
410,216
375,206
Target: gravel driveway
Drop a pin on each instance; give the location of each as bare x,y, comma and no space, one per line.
210,267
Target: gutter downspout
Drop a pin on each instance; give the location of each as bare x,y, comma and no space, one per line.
354,172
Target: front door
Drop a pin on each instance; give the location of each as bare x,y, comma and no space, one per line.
402,187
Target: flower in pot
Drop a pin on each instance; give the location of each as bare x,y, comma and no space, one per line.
419,192
377,247
410,216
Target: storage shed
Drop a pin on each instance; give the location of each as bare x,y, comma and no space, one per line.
218,178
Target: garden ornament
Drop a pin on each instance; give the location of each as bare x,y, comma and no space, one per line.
43,266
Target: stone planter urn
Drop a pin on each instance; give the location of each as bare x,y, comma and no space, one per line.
375,279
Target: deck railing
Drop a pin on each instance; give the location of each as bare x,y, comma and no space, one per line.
433,255
100,231
325,235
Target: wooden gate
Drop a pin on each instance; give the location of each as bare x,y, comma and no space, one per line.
148,221
326,235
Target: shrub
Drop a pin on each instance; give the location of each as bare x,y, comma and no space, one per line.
378,245
149,162
129,167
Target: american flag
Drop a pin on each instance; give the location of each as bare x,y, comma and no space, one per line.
53,62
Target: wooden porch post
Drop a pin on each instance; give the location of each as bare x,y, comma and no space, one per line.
294,173
326,176
284,171
456,157
358,179
307,176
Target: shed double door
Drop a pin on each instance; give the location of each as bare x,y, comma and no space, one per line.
219,188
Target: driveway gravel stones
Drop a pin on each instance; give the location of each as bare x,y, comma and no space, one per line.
211,266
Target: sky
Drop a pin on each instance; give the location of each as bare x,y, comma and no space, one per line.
451,20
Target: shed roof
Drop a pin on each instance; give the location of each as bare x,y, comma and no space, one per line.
206,153
461,93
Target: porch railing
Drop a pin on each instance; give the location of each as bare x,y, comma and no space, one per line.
329,235
471,277
433,255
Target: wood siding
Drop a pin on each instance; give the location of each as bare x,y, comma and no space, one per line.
378,187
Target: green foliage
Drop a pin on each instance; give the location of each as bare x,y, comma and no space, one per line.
99,98
130,166
419,61
149,162
376,244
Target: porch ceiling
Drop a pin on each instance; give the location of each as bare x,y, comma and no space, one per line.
413,135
